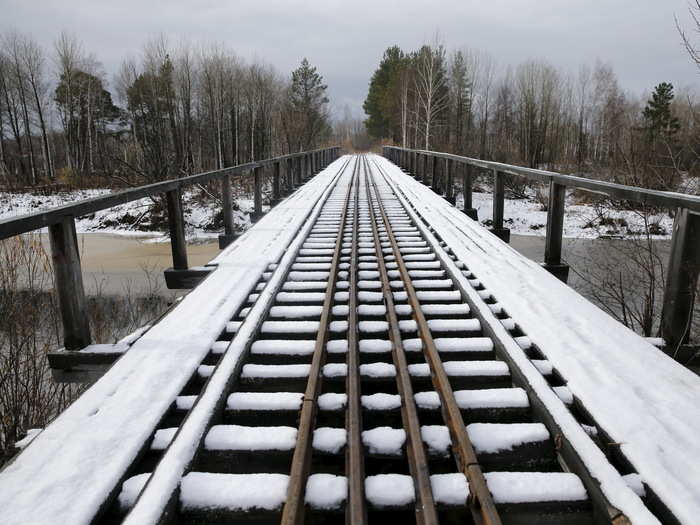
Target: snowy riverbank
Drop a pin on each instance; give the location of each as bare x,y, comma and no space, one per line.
522,216
202,215
581,221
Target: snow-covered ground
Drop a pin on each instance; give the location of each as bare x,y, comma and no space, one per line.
581,221
522,216
132,218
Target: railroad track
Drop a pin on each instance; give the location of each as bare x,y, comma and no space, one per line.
356,384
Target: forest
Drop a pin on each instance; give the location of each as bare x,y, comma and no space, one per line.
535,115
174,110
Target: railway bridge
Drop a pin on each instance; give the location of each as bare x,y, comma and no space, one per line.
365,352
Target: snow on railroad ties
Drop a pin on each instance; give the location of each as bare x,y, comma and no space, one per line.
238,437
381,401
463,368
385,441
249,492
329,440
482,398
264,401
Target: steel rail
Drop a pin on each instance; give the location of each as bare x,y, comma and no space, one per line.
569,455
294,507
33,221
356,509
481,502
426,512
155,502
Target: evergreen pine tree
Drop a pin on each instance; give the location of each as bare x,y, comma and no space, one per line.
309,103
657,113
380,103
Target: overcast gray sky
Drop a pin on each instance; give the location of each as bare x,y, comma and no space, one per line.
345,40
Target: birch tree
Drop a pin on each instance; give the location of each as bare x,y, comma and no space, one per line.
430,83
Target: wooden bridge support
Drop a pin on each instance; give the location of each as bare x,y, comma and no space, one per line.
227,204
176,223
257,194
498,207
467,183
681,281
555,232
180,276
288,177
434,175
449,181
69,284
276,183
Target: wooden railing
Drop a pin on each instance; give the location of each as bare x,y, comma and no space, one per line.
440,170
64,243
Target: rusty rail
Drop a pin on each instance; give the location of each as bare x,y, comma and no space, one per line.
481,502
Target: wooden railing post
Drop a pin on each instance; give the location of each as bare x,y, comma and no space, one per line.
468,206
414,163
681,281
228,236
498,206
297,171
176,223
434,178
69,284
288,177
276,183
180,276
555,232
449,175
257,196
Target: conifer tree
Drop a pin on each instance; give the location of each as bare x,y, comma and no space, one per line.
309,105
658,114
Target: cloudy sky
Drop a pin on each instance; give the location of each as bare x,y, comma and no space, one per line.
345,40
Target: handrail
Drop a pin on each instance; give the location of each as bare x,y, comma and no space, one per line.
684,262
666,199
33,221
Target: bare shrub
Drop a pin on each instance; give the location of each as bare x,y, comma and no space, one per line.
30,327
28,396
627,278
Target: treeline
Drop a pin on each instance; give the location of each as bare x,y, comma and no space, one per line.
175,110
533,115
